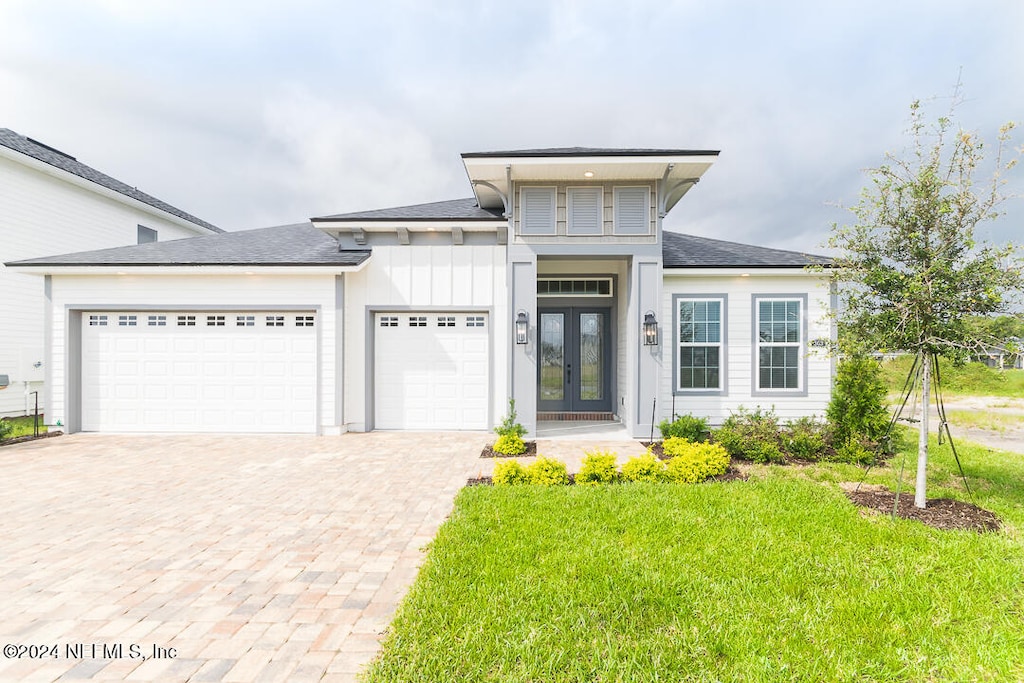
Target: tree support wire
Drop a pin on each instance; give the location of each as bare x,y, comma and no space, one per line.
910,391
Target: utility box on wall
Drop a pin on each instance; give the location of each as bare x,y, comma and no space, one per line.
30,367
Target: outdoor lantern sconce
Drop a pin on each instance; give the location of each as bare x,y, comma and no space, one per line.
522,325
650,329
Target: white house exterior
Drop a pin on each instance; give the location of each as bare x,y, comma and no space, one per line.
553,285
50,204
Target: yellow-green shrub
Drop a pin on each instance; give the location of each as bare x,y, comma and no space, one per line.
509,444
644,467
509,473
598,468
693,462
547,472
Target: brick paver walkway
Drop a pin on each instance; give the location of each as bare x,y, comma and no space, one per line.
256,558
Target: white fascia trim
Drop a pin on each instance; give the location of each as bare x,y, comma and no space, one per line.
598,159
186,270
740,272
472,225
89,185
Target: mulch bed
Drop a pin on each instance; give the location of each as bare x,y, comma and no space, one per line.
531,449
23,439
941,513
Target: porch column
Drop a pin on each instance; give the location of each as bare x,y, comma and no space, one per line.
523,381
646,297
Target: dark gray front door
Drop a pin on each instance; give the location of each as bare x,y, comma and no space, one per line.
574,364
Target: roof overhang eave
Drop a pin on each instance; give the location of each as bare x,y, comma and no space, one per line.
188,269
811,270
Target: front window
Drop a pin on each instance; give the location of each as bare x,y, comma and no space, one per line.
779,341
699,352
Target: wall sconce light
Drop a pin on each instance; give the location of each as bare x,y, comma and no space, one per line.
522,326
650,329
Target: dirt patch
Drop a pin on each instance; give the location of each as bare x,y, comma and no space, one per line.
941,513
531,450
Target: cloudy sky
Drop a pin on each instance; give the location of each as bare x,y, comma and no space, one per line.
258,113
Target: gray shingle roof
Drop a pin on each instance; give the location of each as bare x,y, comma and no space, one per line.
286,245
690,251
453,209
590,152
65,162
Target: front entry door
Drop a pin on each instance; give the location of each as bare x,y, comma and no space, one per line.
575,353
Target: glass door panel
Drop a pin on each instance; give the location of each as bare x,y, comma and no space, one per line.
591,385
552,357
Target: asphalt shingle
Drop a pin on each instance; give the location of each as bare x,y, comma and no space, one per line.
453,209
690,251
65,162
288,245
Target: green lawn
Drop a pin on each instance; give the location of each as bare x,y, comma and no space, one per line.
972,379
776,578
23,426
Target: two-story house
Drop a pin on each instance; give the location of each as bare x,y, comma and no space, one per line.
51,203
554,285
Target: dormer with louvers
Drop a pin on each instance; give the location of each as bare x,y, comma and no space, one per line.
582,194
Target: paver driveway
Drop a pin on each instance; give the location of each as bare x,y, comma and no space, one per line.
256,558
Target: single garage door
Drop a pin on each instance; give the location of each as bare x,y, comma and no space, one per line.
431,370
199,371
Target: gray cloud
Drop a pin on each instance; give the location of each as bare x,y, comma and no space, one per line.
251,114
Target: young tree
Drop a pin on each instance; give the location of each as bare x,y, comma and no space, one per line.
912,269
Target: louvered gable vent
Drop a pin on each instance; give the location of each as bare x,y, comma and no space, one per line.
632,211
584,205
537,211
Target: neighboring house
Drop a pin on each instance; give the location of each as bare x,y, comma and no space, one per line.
1003,356
51,204
554,285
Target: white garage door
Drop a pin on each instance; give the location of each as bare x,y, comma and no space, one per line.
200,371
431,370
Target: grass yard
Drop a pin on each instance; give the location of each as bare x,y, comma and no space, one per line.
776,578
972,379
22,426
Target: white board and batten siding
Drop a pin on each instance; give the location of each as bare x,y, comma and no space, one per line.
739,347
43,215
205,378
447,377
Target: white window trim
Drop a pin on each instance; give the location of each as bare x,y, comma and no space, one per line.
723,376
801,346
616,192
570,213
553,218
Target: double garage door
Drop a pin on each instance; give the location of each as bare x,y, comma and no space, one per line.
431,370
199,371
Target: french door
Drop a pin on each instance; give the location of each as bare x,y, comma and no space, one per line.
575,360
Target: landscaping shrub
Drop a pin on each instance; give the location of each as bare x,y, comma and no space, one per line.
644,468
510,433
547,472
509,444
855,452
598,468
751,435
694,462
857,409
5,429
807,438
689,427
509,473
